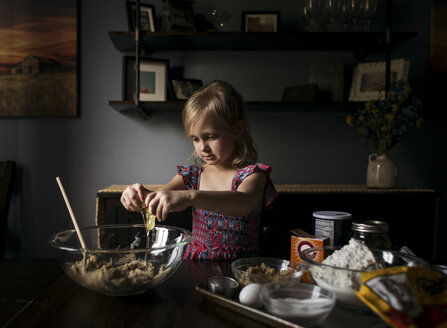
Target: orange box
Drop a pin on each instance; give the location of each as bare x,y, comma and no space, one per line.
301,240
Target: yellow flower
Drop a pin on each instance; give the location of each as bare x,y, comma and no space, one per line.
419,122
389,116
390,94
350,120
380,119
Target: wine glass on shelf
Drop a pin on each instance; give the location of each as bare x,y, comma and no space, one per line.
349,13
310,11
346,13
355,13
330,10
218,18
367,11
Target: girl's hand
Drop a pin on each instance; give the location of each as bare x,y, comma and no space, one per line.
162,202
133,197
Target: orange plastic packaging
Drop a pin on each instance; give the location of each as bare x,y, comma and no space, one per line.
301,240
406,296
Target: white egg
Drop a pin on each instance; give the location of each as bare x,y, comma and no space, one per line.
250,295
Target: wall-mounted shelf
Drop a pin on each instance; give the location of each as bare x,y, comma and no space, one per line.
252,106
361,43
240,41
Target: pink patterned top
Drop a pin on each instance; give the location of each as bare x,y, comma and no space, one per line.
217,236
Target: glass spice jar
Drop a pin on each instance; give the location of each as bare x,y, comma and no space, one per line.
373,234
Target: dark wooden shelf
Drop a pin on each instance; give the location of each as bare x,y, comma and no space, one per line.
252,106
243,41
127,106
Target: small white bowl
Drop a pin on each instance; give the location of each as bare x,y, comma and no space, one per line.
301,303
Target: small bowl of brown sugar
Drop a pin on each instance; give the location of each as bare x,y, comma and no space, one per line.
262,270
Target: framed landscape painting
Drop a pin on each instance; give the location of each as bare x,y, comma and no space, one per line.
39,58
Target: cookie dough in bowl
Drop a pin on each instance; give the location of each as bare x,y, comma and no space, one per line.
121,260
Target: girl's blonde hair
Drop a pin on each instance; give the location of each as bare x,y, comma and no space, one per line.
220,99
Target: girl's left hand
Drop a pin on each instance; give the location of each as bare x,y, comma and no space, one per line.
162,202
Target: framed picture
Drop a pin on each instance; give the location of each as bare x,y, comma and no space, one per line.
368,81
153,79
39,71
329,75
438,59
178,15
438,37
184,88
147,16
260,21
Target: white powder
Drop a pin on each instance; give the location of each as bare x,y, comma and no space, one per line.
355,256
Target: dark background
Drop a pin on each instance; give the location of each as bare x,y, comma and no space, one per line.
103,147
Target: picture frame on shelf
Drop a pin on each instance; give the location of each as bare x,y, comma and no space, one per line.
184,88
147,16
305,93
154,83
329,75
438,38
368,81
438,58
260,21
178,15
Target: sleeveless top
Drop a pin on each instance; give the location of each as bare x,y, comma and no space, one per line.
217,236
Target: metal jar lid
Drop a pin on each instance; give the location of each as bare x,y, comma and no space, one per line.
332,215
371,226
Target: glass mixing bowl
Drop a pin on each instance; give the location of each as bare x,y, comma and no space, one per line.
121,259
345,282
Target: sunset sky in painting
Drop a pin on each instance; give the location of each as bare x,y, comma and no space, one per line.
44,28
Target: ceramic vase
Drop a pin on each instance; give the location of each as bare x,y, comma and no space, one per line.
382,172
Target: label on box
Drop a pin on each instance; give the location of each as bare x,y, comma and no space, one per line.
301,240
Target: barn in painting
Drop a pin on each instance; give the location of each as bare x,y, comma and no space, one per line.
37,64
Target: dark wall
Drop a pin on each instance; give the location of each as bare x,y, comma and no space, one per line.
103,147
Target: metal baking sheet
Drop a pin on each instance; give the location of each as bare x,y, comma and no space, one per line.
340,317
233,304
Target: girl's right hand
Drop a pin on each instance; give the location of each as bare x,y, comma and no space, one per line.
162,202
133,197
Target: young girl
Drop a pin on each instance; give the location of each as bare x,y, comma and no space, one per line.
227,192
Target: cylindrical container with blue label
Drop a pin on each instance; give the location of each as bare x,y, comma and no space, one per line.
333,224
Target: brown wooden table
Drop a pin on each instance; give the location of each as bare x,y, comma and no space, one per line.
36,293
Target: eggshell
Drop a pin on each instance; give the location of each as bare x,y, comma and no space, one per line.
250,295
